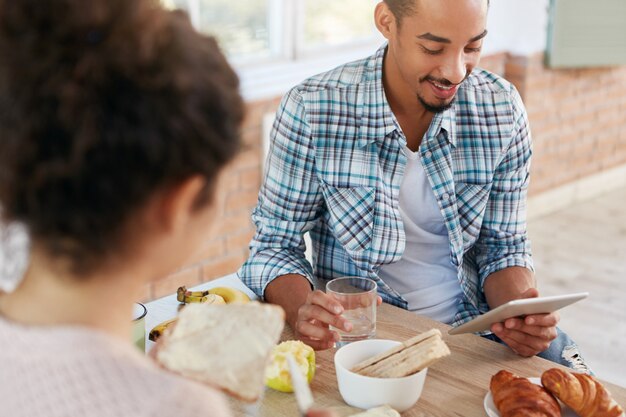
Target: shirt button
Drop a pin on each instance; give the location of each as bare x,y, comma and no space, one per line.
428,154
445,196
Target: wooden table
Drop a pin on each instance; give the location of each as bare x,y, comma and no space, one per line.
455,386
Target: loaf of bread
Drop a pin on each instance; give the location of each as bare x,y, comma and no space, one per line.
518,397
582,393
225,346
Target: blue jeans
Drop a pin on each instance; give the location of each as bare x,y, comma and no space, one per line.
563,350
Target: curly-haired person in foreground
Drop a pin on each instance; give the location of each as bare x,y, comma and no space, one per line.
116,118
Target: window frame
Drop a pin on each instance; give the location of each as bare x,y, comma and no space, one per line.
289,61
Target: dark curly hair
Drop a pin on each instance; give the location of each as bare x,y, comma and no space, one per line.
103,103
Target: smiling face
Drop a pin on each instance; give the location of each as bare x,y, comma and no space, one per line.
433,50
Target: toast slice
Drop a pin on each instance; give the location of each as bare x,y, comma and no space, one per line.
407,343
410,357
224,346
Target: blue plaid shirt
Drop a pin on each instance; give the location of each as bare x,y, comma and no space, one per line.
335,167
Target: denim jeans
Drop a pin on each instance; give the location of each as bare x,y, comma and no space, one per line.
563,350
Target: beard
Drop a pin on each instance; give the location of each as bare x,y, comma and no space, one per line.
434,108
438,108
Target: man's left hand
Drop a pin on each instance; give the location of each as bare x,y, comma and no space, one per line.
530,335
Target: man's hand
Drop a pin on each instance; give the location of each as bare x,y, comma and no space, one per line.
530,335
314,318
316,315
309,313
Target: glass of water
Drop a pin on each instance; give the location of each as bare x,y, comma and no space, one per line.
358,297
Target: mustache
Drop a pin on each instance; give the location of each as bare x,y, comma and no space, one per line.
443,81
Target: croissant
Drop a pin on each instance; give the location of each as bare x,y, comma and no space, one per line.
582,393
518,397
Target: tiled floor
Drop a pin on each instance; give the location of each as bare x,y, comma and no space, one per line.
583,248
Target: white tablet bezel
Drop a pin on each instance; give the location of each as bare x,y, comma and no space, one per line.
517,308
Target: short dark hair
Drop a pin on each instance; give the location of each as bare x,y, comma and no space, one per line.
101,105
402,8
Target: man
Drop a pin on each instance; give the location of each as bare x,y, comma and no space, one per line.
409,167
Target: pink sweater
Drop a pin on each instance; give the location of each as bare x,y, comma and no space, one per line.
74,371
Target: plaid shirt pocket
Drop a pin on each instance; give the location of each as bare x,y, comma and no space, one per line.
471,202
351,215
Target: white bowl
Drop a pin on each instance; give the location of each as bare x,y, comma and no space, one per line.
367,392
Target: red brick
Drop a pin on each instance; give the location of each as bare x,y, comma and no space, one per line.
254,114
241,201
256,110
233,224
223,266
208,250
239,241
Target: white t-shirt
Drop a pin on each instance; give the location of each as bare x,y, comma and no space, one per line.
73,371
425,276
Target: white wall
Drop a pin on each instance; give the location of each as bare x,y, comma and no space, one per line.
517,26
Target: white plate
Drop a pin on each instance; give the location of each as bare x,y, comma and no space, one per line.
492,411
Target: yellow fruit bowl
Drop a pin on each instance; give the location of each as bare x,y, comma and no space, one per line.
277,372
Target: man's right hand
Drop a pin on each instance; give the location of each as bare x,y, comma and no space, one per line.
314,318
309,313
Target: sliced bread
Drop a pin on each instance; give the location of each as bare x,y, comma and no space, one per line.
225,346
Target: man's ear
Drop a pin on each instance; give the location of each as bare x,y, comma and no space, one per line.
178,202
385,20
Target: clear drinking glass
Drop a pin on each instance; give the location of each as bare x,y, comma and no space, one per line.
358,298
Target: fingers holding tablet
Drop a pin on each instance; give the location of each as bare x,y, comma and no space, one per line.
537,312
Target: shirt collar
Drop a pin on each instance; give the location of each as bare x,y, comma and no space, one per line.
377,119
446,122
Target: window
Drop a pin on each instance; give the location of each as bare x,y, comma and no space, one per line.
586,34
254,30
242,26
332,22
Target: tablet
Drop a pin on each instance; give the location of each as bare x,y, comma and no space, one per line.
518,308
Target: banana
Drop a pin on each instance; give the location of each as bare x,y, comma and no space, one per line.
185,296
158,330
225,294
194,299
196,293
180,294
214,299
230,295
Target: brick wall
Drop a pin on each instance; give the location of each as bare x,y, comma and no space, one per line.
577,117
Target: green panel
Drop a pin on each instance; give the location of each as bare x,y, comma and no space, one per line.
586,33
